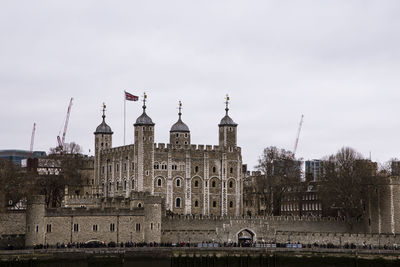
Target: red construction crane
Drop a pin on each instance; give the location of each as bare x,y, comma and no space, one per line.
61,141
298,135
32,137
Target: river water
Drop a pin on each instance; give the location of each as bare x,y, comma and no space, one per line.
260,261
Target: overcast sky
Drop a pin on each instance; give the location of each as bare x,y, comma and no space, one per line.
336,62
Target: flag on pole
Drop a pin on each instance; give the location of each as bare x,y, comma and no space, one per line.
130,97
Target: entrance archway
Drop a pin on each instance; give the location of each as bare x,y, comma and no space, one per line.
245,237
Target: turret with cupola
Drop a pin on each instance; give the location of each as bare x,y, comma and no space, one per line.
102,141
179,135
144,151
227,130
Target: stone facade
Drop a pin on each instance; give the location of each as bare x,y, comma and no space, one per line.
192,179
134,219
383,209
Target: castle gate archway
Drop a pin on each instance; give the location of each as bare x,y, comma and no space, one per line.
245,237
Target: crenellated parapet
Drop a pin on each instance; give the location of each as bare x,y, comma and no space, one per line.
246,219
85,211
162,147
119,149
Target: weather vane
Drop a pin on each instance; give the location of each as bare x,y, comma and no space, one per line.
227,103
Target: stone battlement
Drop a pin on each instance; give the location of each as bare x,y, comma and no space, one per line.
162,147
88,197
84,211
255,218
118,149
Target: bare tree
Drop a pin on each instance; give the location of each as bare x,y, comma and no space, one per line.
69,148
281,171
14,185
71,163
346,178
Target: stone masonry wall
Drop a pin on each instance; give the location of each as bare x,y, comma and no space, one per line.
337,239
188,228
12,223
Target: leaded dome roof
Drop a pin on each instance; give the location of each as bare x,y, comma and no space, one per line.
179,126
144,119
103,128
227,121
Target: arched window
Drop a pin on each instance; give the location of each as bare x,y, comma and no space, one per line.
139,205
178,182
214,204
230,184
213,184
124,184
159,182
196,183
196,203
133,183
231,204
178,202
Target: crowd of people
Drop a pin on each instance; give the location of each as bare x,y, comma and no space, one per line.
212,244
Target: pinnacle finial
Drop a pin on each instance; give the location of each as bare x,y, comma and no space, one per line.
144,101
227,104
104,111
180,109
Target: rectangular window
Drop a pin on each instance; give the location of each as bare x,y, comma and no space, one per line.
76,227
124,166
133,166
37,228
48,228
112,227
102,170
138,227
151,226
95,227
117,167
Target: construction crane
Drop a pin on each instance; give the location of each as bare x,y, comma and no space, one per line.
298,135
32,138
61,141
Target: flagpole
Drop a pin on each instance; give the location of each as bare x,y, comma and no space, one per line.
124,116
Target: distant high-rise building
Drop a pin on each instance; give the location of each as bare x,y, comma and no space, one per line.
313,170
17,156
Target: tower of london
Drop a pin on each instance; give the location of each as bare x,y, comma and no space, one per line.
191,179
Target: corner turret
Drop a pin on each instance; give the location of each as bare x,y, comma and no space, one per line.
144,152
102,140
227,130
179,135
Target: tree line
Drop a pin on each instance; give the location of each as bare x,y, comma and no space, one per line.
18,183
345,180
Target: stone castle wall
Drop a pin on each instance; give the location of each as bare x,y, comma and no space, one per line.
225,229
12,223
384,206
337,239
